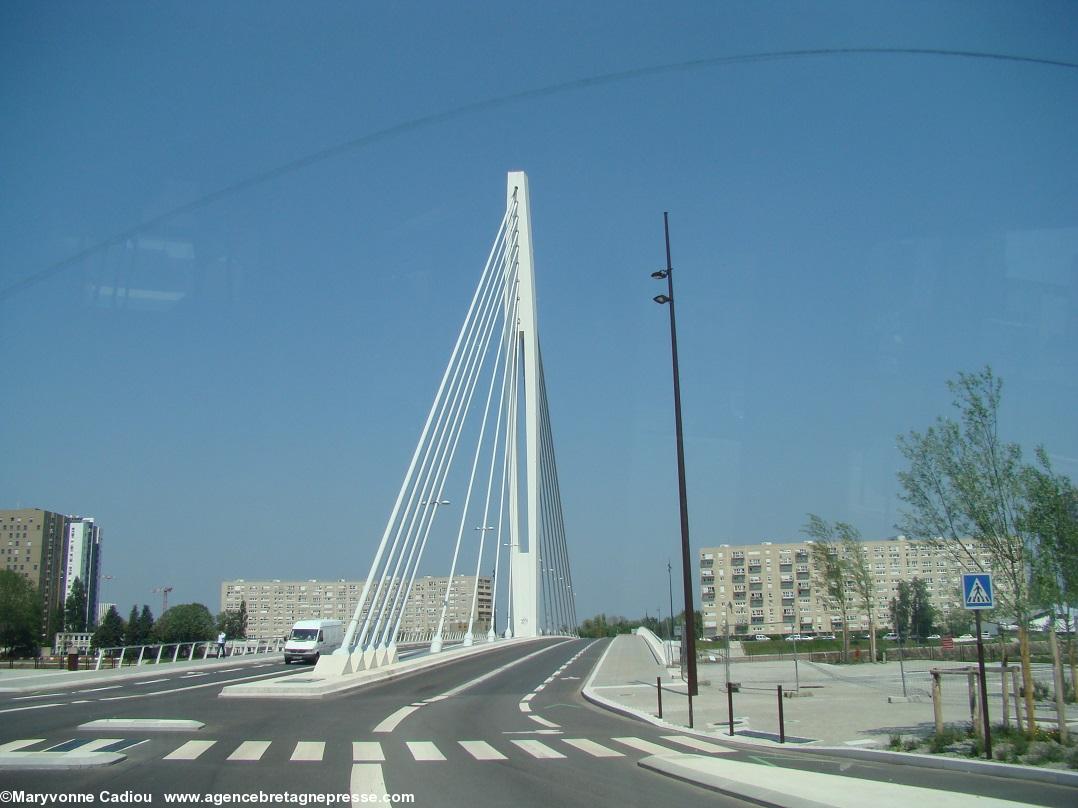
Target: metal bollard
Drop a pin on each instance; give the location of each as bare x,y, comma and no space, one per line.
782,723
659,693
730,706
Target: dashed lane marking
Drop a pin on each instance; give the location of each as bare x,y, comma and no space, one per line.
702,746
367,752
481,750
592,748
424,750
250,750
646,746
309,750
538,750
190,750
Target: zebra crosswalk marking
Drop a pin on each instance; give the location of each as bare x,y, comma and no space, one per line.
367,752
481,750
592,748
250,750
424,750
97,743
13,746
190,750
646,746
696,743
309,750
538,749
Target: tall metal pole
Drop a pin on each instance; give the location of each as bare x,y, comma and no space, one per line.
689,639
670,591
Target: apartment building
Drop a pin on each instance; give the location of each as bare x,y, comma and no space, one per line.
82,560
32,545
274,606
771,587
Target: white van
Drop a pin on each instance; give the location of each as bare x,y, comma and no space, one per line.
309,639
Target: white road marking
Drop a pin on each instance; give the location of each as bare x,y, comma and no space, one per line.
367,752
98,689
529,697
433,699
151,682
424,750
231,670
39,696
593,748
366,779
190,675
481,750
96,744
646,746
309,750
390,723
30,707
250,750
696,743
190,750
11,746
81,701
539,720
525,707
538,749
496,671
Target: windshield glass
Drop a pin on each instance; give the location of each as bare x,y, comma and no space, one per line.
305,634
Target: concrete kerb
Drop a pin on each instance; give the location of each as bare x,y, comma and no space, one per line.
305,686
60,680
684,772
58,760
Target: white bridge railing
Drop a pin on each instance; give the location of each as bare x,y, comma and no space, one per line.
182,651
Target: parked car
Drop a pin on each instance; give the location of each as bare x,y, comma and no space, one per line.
826,637
761,637
966,638
933,637
891,636
795,638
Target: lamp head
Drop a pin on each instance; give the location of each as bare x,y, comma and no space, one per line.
660,299
660,275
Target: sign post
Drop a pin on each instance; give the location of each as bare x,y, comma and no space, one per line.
977,595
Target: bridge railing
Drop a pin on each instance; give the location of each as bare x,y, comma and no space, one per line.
119,656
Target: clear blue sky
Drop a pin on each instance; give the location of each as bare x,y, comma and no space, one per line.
849,231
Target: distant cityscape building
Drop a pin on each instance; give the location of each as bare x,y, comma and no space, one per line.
32,545
82,560
771,587
274,606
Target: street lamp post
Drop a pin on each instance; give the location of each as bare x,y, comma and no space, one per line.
689,639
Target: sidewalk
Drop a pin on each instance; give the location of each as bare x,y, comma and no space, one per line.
843,708
22,680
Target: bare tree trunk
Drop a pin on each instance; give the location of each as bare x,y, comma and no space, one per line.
871,636
1057,676
1027,680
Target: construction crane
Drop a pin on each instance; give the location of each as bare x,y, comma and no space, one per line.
164,590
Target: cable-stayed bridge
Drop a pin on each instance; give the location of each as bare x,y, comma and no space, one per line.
493,383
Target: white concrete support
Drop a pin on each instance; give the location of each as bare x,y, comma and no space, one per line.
523,560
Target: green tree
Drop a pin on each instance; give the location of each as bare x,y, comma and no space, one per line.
957,622
1051,517
145,624
20,615
187,622
233,622
830,571
110,633
964,483
75,607
861,580
922,612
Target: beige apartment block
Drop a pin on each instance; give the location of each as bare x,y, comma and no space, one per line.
771,588
274,606
32,545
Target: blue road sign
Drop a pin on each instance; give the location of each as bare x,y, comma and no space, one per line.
977,590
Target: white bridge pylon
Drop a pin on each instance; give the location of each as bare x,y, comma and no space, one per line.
494,392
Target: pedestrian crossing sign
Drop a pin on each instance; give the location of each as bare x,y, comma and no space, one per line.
977,590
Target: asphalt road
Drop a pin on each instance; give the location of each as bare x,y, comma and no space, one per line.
473,733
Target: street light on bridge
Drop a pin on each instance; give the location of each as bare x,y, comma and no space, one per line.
689,642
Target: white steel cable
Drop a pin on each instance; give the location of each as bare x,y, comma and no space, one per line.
472,375
488,283
349,638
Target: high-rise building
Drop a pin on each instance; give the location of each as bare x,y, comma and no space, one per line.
82,560
32,545
772,588
274,606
